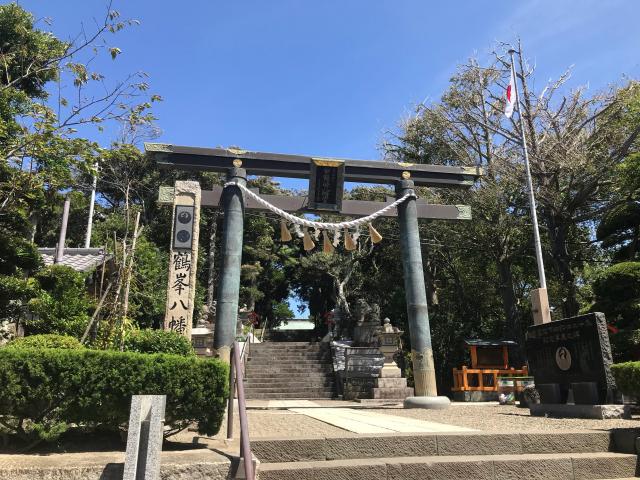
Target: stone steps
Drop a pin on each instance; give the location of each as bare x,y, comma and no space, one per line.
284,376
291,396
553,466
320,382
287,370
288,358
460,456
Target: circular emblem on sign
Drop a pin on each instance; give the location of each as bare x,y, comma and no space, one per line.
237,163
563,358
183,236
406,175
184,217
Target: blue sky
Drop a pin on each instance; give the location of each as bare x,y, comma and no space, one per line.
330,77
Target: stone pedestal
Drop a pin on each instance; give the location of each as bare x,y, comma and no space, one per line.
390,384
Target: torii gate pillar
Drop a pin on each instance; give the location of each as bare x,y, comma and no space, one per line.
417,313
229,284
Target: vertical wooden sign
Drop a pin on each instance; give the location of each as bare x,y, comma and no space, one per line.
326,184
183,259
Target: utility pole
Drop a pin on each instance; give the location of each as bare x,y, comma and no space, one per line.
539,298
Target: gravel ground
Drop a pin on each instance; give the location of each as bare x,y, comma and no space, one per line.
281,423
506,418
486,417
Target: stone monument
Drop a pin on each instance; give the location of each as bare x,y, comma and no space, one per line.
574,355
181,286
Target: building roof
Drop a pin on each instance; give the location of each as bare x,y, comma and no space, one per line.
477,342
80,259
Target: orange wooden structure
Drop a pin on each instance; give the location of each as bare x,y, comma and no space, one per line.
489,360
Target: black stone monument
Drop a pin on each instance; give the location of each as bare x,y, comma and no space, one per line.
572,353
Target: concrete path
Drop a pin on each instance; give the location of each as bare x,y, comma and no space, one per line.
364,421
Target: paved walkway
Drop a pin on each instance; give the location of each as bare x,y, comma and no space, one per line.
366,421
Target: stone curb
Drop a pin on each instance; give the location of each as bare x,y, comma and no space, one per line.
416,445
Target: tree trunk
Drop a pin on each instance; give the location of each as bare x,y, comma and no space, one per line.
558,233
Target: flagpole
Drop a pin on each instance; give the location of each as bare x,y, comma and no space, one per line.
532,199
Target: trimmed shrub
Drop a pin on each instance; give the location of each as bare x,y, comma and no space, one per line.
158,341
627,377
47,340
45,390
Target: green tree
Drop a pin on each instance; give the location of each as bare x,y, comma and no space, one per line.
62,305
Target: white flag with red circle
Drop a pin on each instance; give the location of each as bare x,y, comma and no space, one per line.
510,96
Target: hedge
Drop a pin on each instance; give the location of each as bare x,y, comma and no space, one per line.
158,341
48,389
46,340
627,377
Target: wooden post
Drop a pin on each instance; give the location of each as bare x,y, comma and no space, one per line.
183,259
540,306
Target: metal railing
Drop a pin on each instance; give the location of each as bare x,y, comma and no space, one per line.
236,385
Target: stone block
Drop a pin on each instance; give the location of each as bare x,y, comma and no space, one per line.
394,393
288,450
369,469
475,444
598,412
604,465
569,442
397,445
543,467
390,373
391,382
550,393
585,393
435,468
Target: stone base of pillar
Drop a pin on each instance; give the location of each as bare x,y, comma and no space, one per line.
224,354
432,403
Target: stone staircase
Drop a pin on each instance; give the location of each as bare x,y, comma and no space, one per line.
459,456
287,370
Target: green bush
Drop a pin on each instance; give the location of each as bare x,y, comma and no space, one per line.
46,340
158,341
62,305
627,377
45,390
617,294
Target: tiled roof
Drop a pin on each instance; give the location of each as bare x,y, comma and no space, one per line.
80,259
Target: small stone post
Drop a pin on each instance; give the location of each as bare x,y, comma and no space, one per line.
183,261
144,438
417,313
229,284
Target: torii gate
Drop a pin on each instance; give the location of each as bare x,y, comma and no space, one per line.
325,195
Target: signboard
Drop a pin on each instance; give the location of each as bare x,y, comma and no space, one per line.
573,350
183,227
326,184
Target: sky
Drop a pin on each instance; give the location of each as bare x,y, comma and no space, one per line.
332,77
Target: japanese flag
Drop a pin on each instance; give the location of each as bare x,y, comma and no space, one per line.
510,96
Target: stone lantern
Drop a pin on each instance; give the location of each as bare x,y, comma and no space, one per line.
390,384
